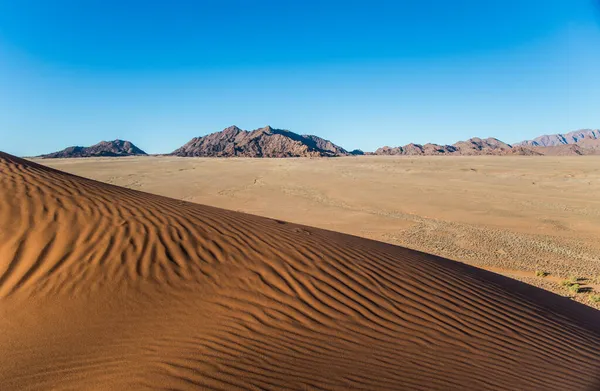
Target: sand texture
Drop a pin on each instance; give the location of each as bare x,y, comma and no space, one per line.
512,215
108,288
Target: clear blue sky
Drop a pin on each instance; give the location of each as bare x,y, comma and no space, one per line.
361,73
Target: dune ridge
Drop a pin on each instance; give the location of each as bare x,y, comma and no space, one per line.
103,287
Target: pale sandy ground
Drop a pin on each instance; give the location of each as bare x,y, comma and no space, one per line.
108,288
512,215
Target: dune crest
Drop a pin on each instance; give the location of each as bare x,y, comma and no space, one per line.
102,287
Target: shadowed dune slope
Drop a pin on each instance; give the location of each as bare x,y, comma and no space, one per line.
105,288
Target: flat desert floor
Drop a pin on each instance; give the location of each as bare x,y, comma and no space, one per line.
108,288
518,216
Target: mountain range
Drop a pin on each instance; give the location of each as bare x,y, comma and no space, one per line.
280,143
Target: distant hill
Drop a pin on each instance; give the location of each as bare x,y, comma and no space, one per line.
581,137
416,149
473,146
263,142
478,146
103,148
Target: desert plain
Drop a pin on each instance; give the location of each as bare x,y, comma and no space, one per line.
536,219
106,287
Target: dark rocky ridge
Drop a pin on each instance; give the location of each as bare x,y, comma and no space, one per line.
103,148
263,142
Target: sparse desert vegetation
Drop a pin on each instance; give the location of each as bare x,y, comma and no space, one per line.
574,288
594,297
569,281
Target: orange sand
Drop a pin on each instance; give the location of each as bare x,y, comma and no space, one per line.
105,288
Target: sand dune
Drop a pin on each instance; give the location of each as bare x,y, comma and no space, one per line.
510,215
106,288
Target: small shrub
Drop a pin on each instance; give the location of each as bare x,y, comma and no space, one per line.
571,284
574,288
541,273
595,297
